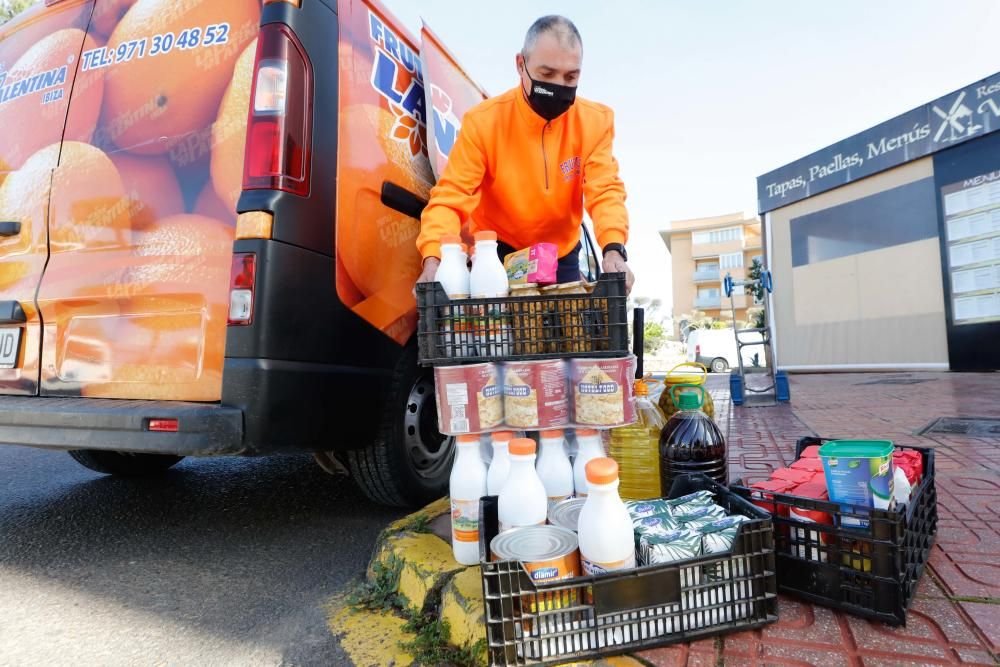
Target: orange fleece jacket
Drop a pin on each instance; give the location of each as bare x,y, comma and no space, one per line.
527,180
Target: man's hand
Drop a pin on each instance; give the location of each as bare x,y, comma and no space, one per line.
615,263
429,273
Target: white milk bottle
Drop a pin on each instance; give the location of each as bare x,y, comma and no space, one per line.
553,467
453,274
496,476
522,500
488,280
605,529
466,487
589,448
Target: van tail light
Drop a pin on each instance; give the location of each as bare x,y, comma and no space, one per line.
162,425
241,288
697,350
279,129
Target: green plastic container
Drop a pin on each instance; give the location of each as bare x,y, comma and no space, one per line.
859,472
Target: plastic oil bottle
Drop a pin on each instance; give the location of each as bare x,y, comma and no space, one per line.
636,448
691,442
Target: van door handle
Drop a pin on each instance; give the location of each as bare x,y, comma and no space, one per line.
10,228
11,312
402,200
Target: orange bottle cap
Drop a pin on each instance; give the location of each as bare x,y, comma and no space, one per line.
586,432
503,436
451,238
552,434
467,438
486,236
602,471
522,446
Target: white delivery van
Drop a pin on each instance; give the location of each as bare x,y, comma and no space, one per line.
716,349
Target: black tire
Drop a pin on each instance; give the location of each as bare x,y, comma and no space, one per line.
124,464
409,463
719,365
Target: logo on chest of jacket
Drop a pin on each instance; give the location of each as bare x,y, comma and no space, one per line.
570,168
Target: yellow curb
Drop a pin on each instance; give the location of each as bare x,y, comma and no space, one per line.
427,563
368,638
462,607
432,511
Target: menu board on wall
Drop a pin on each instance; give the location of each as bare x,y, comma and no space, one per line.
972,226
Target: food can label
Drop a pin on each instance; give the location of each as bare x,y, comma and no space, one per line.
591,567
465,520
469,398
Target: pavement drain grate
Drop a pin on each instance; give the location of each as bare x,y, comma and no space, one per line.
981,427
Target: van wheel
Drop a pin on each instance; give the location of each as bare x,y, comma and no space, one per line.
410,461
719,365
124,464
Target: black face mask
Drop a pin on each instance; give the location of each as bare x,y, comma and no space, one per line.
550,100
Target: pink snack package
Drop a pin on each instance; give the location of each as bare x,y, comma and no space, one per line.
535,264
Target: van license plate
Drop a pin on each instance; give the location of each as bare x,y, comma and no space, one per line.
10,345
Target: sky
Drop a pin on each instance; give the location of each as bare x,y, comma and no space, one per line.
710,94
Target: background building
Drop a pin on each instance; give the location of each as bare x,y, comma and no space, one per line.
885,247
703,251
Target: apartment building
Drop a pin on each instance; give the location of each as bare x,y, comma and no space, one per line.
703,251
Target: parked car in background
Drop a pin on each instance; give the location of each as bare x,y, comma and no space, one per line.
716,349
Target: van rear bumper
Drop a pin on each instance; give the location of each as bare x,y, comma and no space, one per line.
204,429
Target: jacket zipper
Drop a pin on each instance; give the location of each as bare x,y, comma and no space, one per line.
545,162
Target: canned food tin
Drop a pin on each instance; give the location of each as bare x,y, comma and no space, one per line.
468,398
549,554
567,513
602,391
535,394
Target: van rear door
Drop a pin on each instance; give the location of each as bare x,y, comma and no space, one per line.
134,299
39,53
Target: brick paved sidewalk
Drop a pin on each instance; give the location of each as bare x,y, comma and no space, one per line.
955,617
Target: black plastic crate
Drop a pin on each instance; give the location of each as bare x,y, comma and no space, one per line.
522,328
529,623
870,572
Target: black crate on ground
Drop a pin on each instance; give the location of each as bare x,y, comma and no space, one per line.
529,623
869,572
522,328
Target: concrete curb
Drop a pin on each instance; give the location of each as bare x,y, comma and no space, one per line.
432,583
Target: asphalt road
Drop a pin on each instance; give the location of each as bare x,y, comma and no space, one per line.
218,562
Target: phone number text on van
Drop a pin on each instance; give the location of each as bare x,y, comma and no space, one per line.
155,45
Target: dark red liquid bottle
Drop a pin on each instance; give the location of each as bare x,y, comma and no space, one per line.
691,442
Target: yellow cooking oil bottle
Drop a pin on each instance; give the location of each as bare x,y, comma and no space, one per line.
636,448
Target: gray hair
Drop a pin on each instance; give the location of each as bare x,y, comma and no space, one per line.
560,26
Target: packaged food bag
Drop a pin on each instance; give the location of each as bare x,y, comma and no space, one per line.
535,264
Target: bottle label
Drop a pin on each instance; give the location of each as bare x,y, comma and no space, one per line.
591,567
465,520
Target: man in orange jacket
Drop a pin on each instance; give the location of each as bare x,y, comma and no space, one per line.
526,162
